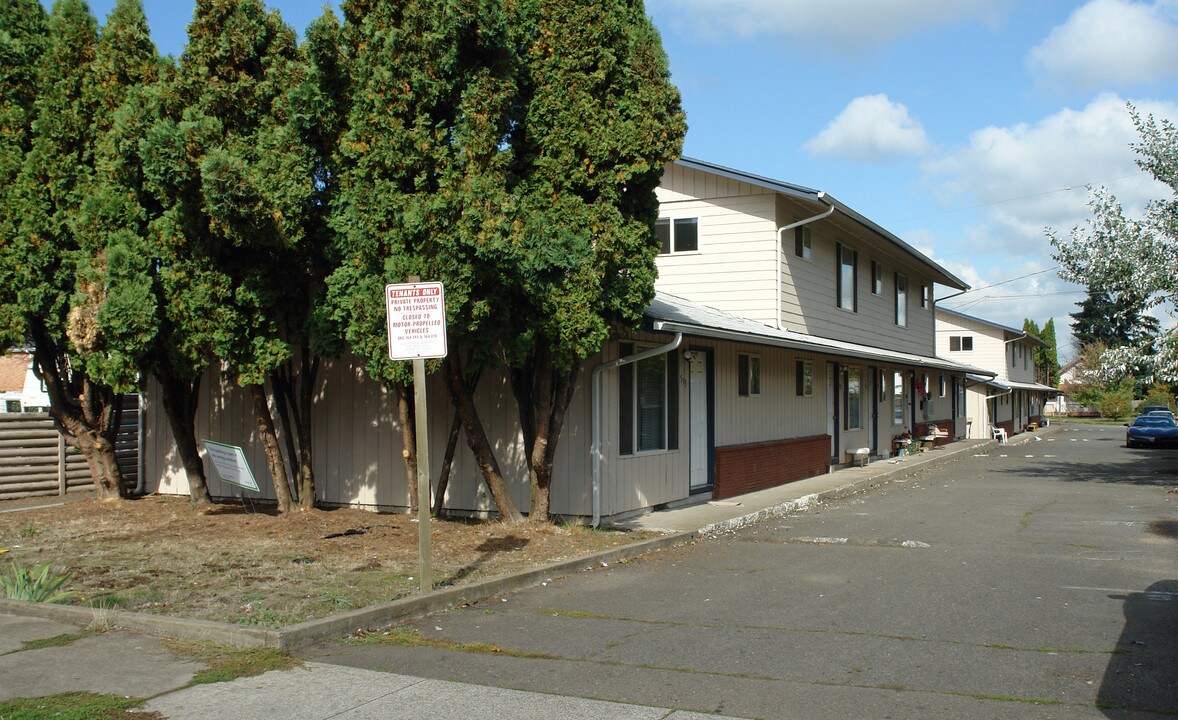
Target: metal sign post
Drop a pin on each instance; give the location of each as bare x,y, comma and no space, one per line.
417,331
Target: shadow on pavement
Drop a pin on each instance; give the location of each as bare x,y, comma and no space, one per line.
1142,676
1155,468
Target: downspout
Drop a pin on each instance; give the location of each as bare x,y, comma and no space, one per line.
780,239
595,447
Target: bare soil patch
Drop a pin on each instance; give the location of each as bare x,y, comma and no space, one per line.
252,566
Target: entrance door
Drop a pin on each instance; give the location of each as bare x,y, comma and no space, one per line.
698,398
832,405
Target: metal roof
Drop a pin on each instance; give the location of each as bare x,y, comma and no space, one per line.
806,194
1010,384
668,313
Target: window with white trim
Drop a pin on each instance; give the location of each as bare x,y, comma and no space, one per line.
901,300
680,235
848,278
961,343
803,242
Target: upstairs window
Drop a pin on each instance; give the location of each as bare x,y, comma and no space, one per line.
901,300
924,296
961,343
848,279
876,278
680,235
803,244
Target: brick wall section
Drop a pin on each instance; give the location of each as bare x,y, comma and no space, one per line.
745,468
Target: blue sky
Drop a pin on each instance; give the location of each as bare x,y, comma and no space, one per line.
967,128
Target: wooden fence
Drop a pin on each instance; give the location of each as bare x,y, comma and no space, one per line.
35,458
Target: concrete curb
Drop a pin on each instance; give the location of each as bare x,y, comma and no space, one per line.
302,634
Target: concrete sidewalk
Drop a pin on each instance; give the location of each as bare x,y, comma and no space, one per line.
133,660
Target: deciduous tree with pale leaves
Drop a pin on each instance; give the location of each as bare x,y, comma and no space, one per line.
1137,255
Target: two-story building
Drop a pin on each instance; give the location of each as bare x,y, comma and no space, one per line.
788,334
1012,399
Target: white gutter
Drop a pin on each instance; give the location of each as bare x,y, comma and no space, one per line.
595,448
780,252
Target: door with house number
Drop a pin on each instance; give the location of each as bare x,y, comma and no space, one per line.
697,384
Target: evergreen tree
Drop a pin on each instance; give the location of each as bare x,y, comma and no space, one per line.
235,183
1112,318
423,190
42,262
1051,353
599,121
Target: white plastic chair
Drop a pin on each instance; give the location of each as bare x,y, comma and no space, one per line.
998,434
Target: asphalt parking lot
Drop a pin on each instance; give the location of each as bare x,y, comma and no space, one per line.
1031,581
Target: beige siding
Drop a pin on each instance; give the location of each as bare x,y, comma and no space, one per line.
809,300
733,270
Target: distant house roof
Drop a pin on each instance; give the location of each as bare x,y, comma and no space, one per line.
1005,328
668,313
845,215
13,369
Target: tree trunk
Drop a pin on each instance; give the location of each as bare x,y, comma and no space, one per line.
270,443
180,397
294,397
476,437
83,409
408,423
447,463
543,393
307,492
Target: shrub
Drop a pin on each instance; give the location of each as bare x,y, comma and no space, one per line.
1116,404
41,584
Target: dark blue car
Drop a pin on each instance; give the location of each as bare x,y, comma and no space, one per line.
1152,431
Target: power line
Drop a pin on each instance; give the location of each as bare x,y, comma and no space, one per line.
1068,188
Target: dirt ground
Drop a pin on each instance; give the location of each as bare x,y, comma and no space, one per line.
247,565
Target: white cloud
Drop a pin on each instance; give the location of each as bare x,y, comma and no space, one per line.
1110,42
1024,178
843,25
871,128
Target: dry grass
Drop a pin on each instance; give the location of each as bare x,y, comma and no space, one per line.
236,564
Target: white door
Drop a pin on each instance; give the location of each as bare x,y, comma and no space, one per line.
832,410
698,398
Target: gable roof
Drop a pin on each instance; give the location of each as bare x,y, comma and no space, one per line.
668,313
844,218
13,369
1006,329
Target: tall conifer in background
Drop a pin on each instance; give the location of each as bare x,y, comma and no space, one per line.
43,257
